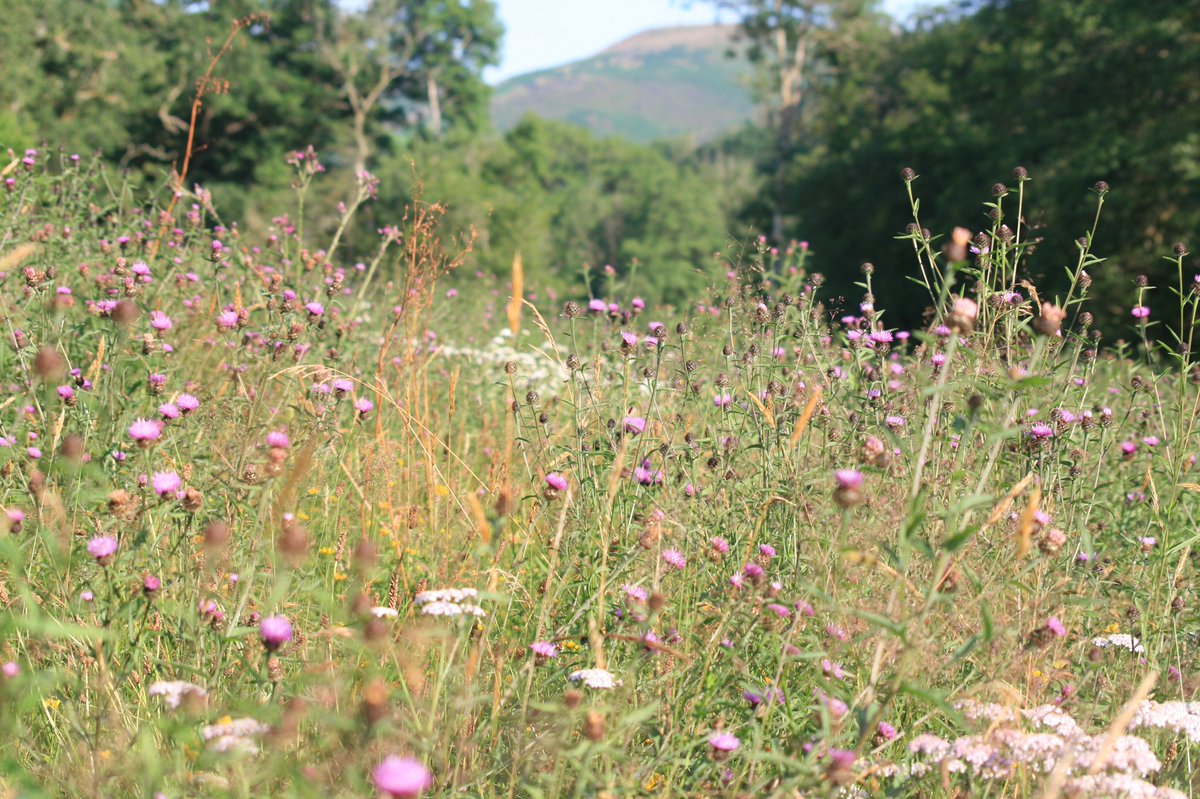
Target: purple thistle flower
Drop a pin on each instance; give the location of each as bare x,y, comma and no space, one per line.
848,479
102,548
166,484
275,631
634,424
724,741
143,431
227,320
160,321
647,475
544,649
401,777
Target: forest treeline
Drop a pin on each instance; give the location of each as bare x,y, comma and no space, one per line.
1075,93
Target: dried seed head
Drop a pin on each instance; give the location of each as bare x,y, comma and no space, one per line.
375,705
48,364
593,727
1050,321
192,500
216,534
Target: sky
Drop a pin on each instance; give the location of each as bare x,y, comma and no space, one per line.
547,33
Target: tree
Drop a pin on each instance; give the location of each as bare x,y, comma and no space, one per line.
1074,92
567,199
398,61
796,44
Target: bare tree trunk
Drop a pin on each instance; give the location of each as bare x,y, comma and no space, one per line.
791,90
435,104
362,146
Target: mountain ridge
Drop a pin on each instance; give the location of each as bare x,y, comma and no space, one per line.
664,83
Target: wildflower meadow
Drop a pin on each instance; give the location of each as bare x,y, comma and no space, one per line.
279,524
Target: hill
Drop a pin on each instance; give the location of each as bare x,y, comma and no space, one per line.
659,84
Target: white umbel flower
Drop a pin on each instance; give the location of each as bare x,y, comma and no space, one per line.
1119,641
599,679
174,691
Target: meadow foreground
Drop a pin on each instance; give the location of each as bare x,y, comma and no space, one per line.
278,524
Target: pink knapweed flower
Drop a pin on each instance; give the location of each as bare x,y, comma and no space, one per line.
166,484
275,631
401,777
102,548
143,431
544,649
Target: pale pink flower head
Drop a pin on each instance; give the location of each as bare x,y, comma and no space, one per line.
102,548
144,431
160,321
543,650
1056,627
965,309
723,742
363,406
10,670
187,403
721,745
647,475
556,481
166,484
279,439
848,479
227,320
16,518
634,424
401,777
275,631
675,558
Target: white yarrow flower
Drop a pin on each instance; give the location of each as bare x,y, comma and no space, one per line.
173,692
1119,641
599,679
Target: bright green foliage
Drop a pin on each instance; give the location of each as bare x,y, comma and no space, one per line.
1076,92
568,200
